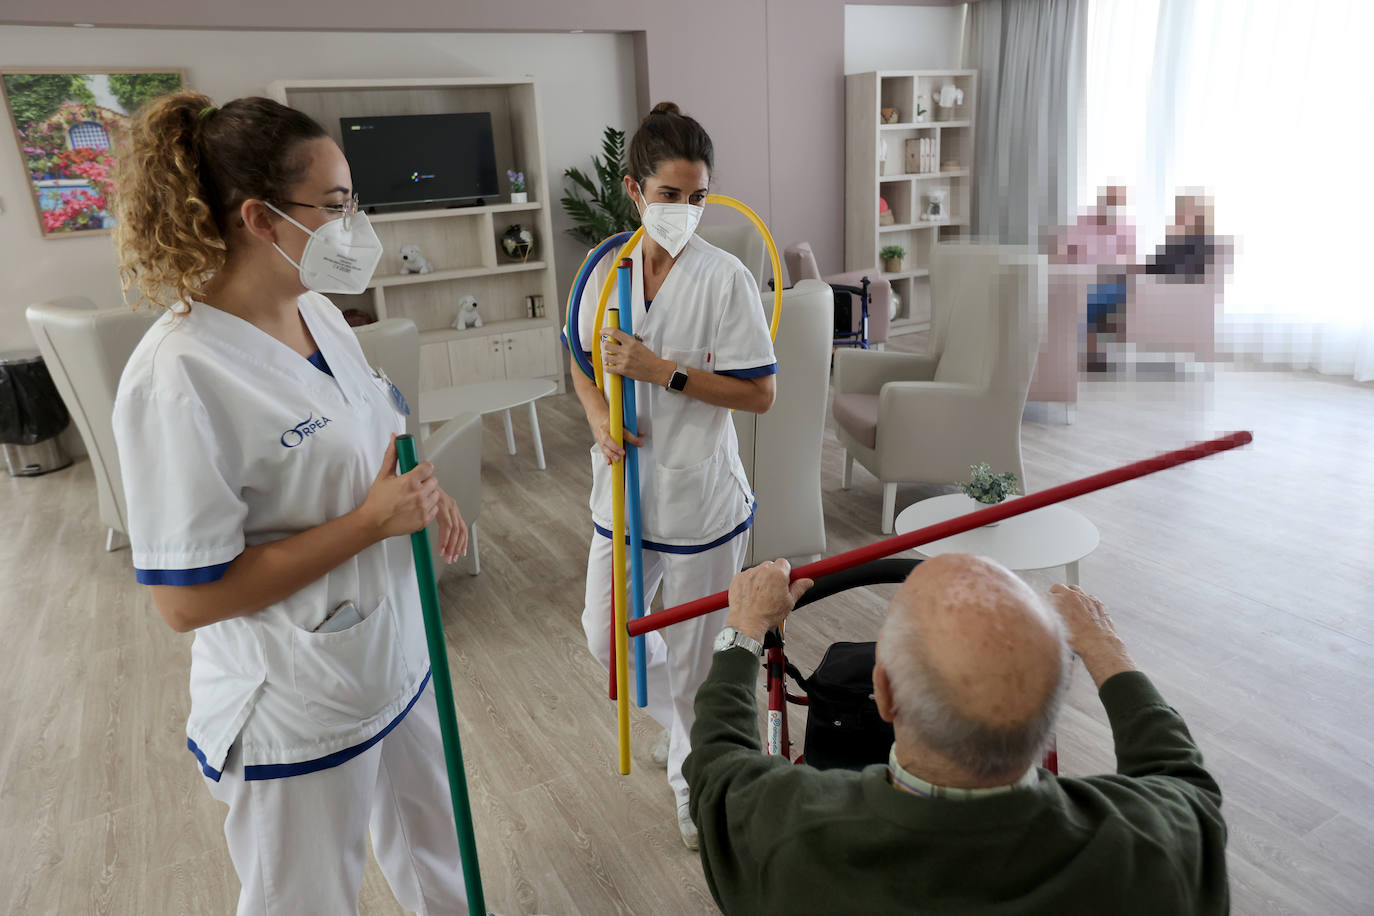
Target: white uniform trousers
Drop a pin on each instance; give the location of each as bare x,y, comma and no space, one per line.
679,656
299,843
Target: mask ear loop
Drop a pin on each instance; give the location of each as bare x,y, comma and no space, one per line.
268,205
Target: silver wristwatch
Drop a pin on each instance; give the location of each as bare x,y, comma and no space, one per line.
730,637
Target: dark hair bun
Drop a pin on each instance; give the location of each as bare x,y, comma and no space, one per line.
666,108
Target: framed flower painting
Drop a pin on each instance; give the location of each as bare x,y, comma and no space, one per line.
68,124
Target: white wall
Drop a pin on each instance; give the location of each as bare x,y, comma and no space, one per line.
585,82
902,37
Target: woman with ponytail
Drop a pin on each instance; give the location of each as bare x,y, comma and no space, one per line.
701,348
257,449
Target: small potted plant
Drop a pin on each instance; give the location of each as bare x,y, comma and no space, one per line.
891,256
517,187
987,488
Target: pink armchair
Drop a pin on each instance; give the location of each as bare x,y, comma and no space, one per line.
801,265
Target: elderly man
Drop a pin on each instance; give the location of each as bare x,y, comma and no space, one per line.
972,667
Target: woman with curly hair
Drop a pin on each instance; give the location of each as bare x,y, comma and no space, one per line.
258,455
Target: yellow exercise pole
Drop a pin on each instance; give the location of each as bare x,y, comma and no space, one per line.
606,288
634,240
620,585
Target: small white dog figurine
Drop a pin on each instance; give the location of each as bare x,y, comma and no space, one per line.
468,316
413,261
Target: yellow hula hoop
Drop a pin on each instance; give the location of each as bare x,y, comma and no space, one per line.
634,240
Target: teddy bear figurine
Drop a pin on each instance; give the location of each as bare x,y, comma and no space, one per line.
468,316
413,261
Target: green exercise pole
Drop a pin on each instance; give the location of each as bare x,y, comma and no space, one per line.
443,696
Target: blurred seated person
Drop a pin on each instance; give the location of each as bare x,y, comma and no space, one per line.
1103,234
1189,250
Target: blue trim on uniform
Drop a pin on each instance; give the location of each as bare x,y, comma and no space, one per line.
197,576
283,770
689,548
647,303
316,359
200,755
756,372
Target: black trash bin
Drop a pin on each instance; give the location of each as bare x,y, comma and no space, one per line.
32,415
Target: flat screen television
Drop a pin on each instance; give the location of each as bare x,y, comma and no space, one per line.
421,159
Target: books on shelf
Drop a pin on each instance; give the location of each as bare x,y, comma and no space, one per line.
920,155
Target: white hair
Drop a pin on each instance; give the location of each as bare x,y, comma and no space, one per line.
928,713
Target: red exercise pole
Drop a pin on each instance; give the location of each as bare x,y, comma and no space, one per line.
977,519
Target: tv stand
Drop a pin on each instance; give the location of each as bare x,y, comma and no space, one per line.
461,239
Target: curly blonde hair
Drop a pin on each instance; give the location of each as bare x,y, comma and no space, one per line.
185,169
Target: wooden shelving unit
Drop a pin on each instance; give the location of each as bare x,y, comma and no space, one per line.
463,243
876,167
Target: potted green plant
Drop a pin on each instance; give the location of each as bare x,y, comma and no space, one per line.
891,256
606,210
987,488
517,187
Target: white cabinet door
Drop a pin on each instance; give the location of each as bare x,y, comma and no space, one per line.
477,359
530,354
434,367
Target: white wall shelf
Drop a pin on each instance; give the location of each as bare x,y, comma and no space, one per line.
462,274
462,243
876,168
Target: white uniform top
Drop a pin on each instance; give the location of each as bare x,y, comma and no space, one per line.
229,438
707,315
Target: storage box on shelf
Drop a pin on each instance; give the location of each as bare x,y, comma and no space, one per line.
462,243
880,162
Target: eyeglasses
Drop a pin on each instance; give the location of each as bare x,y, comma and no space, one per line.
346,211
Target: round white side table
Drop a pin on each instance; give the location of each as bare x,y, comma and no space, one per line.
442,404
1048,537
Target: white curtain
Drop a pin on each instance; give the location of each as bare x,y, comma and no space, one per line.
1029,57
1261,104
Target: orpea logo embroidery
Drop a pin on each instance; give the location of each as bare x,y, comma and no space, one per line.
303,430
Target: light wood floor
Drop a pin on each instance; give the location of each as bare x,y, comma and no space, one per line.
1243,584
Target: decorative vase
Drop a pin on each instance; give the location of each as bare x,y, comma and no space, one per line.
517,242
892,265
519,197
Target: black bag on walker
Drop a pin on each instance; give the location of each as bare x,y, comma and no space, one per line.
843,728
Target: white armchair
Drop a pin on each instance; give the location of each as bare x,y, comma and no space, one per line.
781,449
455,448
744,242
85,350
925,419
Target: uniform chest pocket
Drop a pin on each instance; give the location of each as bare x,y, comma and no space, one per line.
345,677
687,357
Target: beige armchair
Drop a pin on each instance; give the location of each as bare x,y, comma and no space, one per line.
85,350
925,419
742,241
781,449
455,448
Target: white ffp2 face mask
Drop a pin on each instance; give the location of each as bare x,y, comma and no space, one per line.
337,260
671,225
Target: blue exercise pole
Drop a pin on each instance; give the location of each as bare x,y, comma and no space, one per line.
634,520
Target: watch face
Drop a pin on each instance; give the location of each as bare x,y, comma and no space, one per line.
725,638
